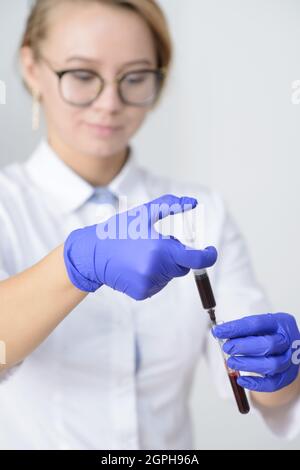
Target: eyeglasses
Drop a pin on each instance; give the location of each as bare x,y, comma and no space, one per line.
81,87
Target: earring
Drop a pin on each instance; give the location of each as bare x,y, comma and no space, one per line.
35,111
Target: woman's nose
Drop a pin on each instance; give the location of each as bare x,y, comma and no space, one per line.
109,98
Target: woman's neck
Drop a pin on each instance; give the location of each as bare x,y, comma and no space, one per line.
96,171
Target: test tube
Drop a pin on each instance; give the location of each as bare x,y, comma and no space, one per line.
233,375
209,304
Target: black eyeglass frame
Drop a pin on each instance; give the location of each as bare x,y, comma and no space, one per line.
160,74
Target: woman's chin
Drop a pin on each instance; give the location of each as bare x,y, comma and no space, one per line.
99,148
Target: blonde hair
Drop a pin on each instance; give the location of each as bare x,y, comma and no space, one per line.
37,26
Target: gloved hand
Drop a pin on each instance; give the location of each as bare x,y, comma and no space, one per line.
268,346
137,264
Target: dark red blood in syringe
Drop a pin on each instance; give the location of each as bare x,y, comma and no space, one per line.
239,393
205,291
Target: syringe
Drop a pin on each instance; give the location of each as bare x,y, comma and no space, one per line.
209,304
206,293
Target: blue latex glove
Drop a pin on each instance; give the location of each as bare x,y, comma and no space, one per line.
267,345
137,266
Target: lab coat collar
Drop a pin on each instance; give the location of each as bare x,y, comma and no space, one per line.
68,190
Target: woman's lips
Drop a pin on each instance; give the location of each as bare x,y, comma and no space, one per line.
104,131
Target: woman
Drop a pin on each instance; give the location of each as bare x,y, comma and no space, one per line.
113,369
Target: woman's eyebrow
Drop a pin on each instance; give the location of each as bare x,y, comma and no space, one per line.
134,62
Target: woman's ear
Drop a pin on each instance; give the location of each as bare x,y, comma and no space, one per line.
29,68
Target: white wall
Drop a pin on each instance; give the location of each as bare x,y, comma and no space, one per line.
226,121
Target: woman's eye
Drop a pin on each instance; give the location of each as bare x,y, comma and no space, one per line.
135,79
83,76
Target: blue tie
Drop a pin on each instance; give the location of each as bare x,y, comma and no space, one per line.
102,195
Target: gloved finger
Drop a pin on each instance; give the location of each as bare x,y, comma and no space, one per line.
257,345
190,258
261,365
179,271
268,384
247,326
168,205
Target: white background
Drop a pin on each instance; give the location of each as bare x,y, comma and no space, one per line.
226,121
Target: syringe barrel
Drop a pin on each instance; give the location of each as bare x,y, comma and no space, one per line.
205,289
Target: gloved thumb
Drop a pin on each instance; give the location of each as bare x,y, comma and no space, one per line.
191,258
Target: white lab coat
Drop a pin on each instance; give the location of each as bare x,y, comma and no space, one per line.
116,373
